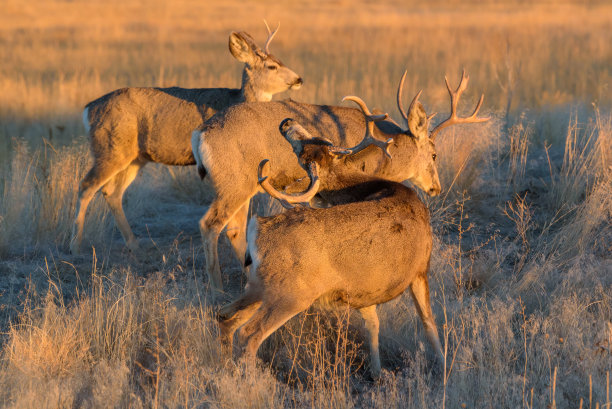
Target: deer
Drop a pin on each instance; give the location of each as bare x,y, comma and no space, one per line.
229,147
372,244
131,127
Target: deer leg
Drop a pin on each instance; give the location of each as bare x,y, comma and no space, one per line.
98,176
371,325
113,192
234,315
219,214
211,225
420,294
236,232
267,319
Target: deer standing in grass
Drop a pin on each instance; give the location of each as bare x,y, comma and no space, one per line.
373,244
229,147
130,127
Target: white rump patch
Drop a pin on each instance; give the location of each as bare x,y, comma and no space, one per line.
195,146
86,120
201,151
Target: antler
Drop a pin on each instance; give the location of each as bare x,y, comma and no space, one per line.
412,104
270,35
453,118
399,98
369,137
285,199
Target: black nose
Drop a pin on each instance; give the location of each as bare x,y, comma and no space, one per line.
433,192
299,81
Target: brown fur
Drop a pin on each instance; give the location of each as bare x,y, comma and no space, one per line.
130,127
233,143
362,252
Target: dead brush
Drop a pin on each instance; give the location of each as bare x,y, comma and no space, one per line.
521,214
579,198
518,139
586,161
318,354
465,155
186,185
39,194
317,350
43,344
127,325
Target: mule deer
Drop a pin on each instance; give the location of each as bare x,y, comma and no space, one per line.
130,127
365,251
229,147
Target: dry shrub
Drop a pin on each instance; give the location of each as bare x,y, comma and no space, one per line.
586,162
244,386
40,189
126,339
317,353
40,192
536,336
465,155
519,135
579,201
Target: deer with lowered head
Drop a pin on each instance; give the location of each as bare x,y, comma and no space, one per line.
229,147
365,250
130,127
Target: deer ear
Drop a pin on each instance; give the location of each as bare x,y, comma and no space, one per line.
297,136
417,121
242,47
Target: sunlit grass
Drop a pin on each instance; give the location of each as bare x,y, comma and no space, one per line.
520,271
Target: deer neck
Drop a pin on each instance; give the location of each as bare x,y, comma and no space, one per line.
371,162
249,91
344,184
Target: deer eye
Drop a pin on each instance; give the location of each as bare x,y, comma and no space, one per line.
434,156
272,67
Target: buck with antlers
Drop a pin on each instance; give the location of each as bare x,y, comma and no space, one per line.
338,255
230,146
133,126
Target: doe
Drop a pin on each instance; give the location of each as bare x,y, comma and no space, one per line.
130,127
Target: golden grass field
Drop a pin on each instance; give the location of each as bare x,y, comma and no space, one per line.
521,273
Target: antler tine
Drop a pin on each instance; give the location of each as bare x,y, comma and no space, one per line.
453,118
413,103
365,109
270,36
285,199
399,98
369,138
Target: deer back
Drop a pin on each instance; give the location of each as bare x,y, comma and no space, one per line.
242,136
341,254
155,124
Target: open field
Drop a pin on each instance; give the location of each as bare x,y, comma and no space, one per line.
521,273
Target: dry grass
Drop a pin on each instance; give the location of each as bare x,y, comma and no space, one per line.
521,275
59,55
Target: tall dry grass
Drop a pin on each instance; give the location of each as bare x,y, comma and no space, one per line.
59,55
525,310
520,275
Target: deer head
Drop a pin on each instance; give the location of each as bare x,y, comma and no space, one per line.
412,146
407,153
263,73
